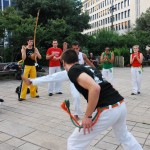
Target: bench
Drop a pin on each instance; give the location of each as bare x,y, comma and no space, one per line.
6,72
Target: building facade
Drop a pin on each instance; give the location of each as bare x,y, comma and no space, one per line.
4,4
119,15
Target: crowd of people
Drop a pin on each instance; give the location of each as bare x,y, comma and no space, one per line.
85,79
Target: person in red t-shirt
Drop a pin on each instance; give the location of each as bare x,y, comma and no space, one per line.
136,69
53,54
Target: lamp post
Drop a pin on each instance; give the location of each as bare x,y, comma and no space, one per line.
112,8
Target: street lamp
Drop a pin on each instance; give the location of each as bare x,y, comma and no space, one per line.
112,8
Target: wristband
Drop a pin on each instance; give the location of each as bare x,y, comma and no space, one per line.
88,116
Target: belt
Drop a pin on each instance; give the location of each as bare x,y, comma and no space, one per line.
66,104
111,106
137,67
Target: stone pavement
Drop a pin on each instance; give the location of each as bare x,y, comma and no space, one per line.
40,124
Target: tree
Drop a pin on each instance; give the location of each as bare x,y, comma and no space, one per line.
69,10
143,22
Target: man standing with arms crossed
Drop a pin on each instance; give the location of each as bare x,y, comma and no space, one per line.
53,54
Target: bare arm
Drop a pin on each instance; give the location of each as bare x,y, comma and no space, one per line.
140,60
65,46
102,59
131,59
112,58
93,88
23,52
49,56
37,53
88,62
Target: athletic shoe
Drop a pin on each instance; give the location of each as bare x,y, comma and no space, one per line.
59,93
133,94
139,92
21,99
1,100
50,94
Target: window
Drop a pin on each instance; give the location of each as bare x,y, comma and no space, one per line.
108,20
128,2
122,15
119,16
121,5
122,26
125,14
107,2
129,24
119,27
129,13
118,6
116,27
116,17
126,25
125,2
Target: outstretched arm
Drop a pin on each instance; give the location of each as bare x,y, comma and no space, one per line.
59,76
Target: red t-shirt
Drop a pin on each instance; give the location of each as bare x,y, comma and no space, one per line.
57,52
136,62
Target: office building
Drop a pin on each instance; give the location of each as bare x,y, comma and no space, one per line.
4,4
119,15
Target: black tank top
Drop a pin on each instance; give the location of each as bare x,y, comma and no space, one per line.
28,61
108,95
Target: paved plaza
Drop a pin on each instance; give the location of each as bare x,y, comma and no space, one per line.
40,124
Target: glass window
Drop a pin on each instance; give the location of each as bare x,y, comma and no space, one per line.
128,2
118,6
125,14
121,5
116,17
122,26
125,2
122,15
129,13
119,16
129,24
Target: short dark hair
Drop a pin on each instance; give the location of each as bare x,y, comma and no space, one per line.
55,40
29,38
75,43
70,56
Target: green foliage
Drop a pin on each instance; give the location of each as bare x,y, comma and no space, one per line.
125,52
143,22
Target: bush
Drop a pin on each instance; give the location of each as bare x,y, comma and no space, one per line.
125,52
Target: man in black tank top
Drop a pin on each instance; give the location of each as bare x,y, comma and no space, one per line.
102,96
29,54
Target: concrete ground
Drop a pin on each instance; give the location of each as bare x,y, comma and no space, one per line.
40,124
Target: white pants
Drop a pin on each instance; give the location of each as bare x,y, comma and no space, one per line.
136,76
108,74
59,77
76,99
54,86
115,118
